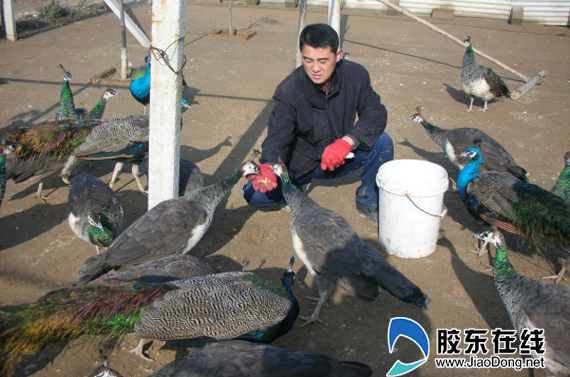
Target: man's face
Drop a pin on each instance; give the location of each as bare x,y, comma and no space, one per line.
319,63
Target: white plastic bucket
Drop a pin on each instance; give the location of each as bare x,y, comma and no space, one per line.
410,206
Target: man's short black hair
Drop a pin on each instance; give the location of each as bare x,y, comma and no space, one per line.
319,36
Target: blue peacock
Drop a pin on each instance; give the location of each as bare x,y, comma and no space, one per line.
517,207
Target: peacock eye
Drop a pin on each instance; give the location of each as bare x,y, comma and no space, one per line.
137,287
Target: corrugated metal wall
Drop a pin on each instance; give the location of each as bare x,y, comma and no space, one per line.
547,12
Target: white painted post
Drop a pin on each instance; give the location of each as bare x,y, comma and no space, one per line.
334,15
302,24
10,20
168,18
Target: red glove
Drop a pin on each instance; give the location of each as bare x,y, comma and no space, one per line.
266,180
334,154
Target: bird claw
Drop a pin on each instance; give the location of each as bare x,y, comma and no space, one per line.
556,278
138,350
310,319
316,299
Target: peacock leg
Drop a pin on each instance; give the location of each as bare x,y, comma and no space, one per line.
560,275
470,109
118,167
39,192
135,171
484,106
138,350
324,291
69,165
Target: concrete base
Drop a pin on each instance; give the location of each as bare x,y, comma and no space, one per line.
252,2
442,14
517,15
291,3
393,12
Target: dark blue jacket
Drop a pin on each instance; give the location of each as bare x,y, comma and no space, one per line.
305,120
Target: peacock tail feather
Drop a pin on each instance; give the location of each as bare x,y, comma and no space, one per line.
112,307
541,215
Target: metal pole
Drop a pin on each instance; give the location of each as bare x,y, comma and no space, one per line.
124,61
168,18
302,23
334,15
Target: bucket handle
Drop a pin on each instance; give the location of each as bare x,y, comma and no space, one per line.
407,195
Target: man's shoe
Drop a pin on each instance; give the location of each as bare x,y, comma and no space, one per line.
367,212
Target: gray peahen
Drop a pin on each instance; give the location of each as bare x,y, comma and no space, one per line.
334,253
562,185
95,214
97,111
171,267
479,81
458,140
49,148
230,305
512,205
533,304
171,227
67,108
234,358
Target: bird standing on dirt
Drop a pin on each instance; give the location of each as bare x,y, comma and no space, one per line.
533,304
512,205
231,305
479,81
172,227
334,253
234,358
458,140
95,213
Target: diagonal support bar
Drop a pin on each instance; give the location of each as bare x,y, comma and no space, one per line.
130,24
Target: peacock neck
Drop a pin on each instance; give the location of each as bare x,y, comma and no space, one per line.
218,191
562,185
469,58
468,174
435,133
503,270
66,104
103,237
98,110
292,194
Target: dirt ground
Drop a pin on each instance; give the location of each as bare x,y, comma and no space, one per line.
231,87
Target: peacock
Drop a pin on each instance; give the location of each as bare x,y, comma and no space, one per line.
517,207
104,371
140,86
479,81
67,108
97,111
171,267
234,358
334,253
562,185
456,141
230,305
533,304
173,226
95,213
49,148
